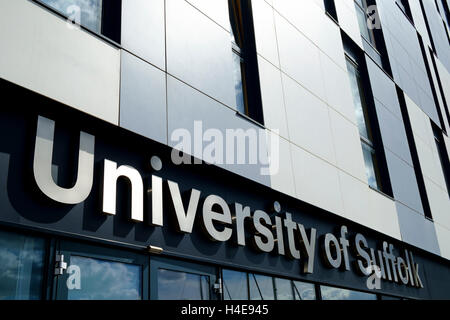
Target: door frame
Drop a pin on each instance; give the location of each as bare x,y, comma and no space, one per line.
97,251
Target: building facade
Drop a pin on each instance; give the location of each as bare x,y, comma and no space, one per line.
225,149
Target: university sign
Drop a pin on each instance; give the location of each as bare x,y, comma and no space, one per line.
273,232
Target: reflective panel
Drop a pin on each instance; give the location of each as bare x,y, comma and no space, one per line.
177,285
330,293
21,267
106,280
284,289
370,162
261,287
235,286
88,11
304,291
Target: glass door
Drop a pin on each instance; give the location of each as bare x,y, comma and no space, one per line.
177,280
85,272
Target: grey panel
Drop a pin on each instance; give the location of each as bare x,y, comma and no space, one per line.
404,182
406,57
143,98
143,30
393,133
438,33
187,105
383,88
417,230
199,51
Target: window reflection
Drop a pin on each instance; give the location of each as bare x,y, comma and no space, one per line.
363,122
304,291
370,161
237,44
235,285
358,100
284,289
238,85
21,267
331,293
176,285
106,280
90,11
261,287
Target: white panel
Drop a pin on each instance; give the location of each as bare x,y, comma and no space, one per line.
143,28
348,20
444,75
337,88
356,198
308,120
216,10
316,181
382,214
299,58
439,203
265,36
447,144
199,51
347,144
419,21
430,162
418,120
283,180
272,97
443,235
41,53
312,22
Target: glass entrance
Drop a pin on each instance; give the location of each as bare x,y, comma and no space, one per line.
97,273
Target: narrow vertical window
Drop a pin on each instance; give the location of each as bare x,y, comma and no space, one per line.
366,119
245,64
365,131
443,155
237,45
330,9
404,6
372,33
363,19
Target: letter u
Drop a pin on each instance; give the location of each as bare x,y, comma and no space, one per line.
42,165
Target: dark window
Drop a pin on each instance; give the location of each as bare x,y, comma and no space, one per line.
443,155
330,8
99,16
404,6
245,65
